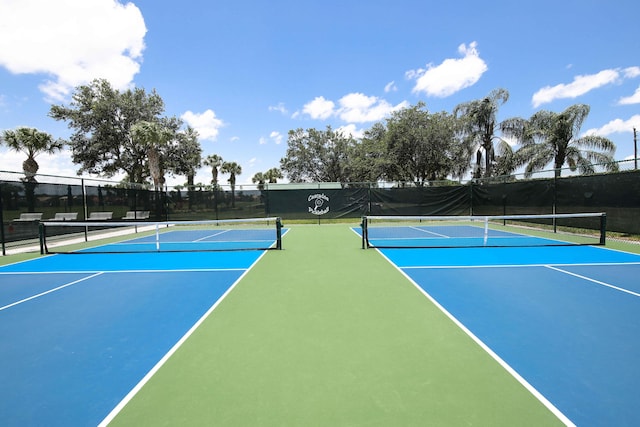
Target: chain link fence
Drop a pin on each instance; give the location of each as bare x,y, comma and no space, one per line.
24,201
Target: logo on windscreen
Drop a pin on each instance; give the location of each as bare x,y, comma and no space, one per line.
320,204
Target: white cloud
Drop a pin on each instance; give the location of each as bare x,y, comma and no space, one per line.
631,72
352,108
616,126
452,75
276,137
351,129
72,41
579,86
319,108
279,108
359,108
390,87
207,124
633,99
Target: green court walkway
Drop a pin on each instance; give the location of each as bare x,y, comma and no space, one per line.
324,333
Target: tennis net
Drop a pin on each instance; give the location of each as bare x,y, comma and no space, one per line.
483,231
176,236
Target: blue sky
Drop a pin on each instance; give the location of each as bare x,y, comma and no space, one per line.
244,73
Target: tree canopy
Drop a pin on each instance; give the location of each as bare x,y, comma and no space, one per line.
31,142
413,145
318,156
420,145
124,131
478,121
549,137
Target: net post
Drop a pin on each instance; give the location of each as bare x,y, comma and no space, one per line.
365,237
278,233
603,229
41,235
486,230
157,237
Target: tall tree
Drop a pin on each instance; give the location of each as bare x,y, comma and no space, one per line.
479,126
101,118
31,142
419,145
233,169
317,156
259,178
186,156
549,137
154,137
369,160
273,175
214,162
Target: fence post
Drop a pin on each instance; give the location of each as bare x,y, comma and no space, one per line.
85,207
471,197
4,251
555,199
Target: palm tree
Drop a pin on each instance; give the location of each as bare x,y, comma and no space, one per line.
188,159
479,124
233,169
154,137
272,175
552,137
31,142
259,178
214,162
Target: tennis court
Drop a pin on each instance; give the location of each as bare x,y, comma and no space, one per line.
321,333
565,319
80,331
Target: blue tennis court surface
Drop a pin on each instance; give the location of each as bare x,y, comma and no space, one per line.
79,332
565,319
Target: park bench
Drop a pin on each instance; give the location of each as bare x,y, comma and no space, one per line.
136,215
32,216
65,216
100,216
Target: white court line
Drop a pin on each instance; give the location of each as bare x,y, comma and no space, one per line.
587,264
179,270
430,232
598,282
50,291
212,235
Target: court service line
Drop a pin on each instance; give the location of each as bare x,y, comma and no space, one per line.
50,291
435,267
178,270
211,235
598,282
430,232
